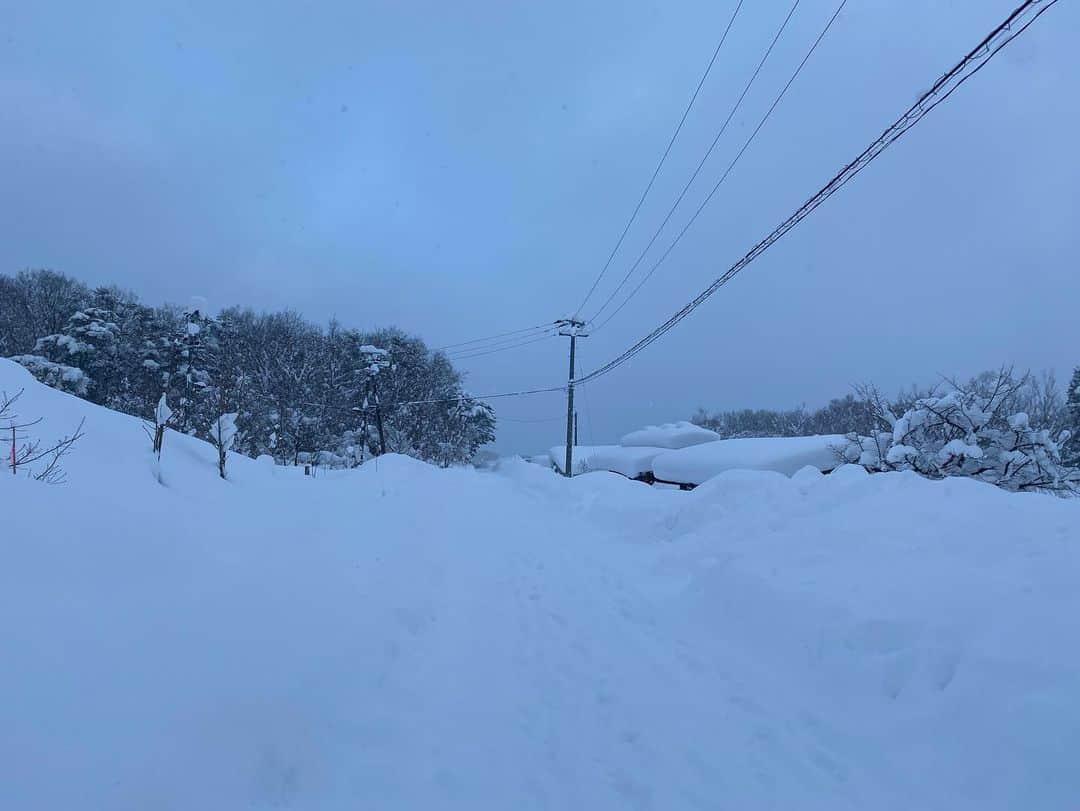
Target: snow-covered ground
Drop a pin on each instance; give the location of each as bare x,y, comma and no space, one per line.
405,637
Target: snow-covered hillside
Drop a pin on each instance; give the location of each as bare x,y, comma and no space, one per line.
401,636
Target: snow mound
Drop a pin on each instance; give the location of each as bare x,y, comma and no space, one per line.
630,462
779,454
672,436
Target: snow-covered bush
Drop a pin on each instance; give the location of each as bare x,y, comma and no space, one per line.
967,431
222,436
162,418
1072,417
71,379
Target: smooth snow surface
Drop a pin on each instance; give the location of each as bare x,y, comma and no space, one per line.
403,637
779,454
672,435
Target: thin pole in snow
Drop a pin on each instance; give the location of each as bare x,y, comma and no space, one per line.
572,327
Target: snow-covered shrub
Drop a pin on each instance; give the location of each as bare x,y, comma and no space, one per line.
222,436
1072,417
162,417
71,379
967,431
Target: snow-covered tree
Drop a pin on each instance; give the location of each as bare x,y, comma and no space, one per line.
71,379
967,431
178,359
89,341
162,418
35,303
222,434
1072,412
298,391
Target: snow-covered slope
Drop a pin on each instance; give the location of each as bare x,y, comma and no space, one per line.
406,637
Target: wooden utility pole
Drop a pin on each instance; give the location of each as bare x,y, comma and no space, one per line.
376,359
570,328
378,418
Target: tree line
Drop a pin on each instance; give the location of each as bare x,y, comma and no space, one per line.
272,383
1018,431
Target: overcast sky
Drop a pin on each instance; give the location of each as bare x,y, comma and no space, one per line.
461,169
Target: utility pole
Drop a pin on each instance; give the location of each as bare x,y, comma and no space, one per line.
570,328
575,430
376,359
378,418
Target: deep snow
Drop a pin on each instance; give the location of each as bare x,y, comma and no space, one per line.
405,637
673,435
629,461
787,455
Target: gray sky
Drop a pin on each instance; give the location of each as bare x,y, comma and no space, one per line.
460,169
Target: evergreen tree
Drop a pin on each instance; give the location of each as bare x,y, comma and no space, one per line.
1071,450
185,376
90,342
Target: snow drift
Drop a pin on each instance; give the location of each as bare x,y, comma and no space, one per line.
784,455
401,636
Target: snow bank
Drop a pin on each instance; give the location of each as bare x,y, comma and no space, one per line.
629,462
401,636
672,436
779,454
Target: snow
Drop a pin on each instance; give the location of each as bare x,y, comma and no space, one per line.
55,374
224,430
673,436
785,455
958,447
1019,421
629,462
401,636
162,412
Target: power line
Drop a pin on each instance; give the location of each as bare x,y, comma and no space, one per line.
730,167
686,187
977,59
663,158
942,89
493,337
481,351
461,397
501,343
530,421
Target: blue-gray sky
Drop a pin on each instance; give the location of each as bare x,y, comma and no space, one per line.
459,169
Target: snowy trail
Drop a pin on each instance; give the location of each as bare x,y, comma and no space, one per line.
491,653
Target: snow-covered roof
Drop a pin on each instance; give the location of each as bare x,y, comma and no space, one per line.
629,462
672,435
780,454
